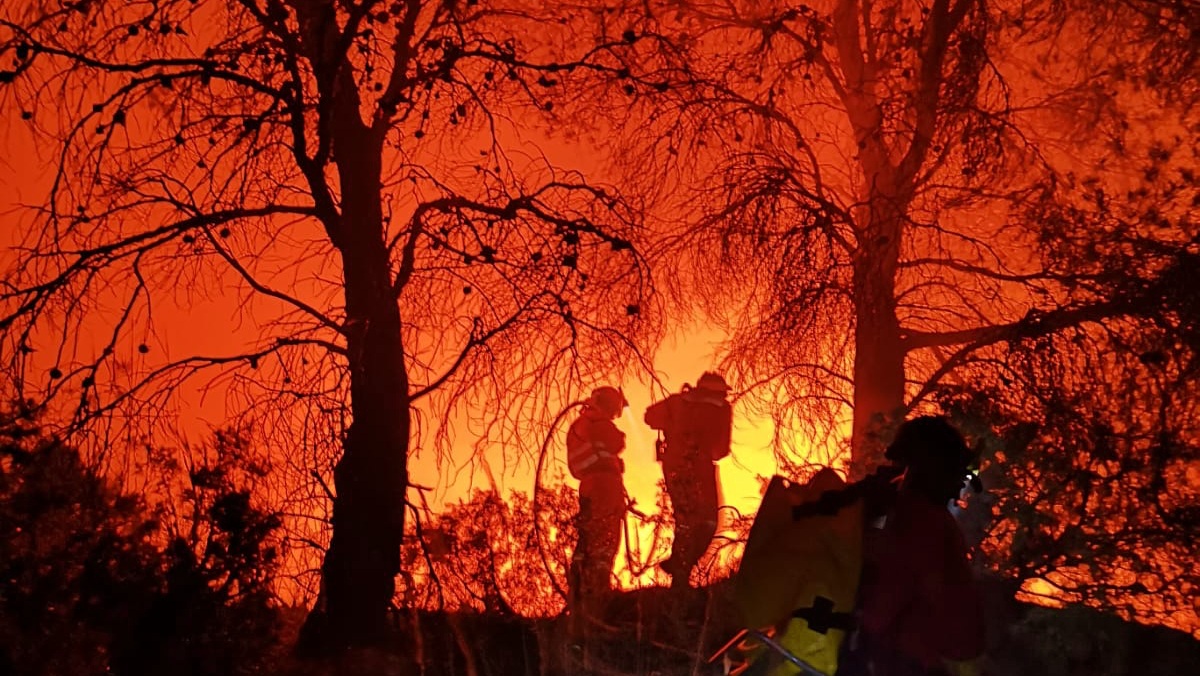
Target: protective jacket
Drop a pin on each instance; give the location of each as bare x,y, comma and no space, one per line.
594,444
919,601
696,424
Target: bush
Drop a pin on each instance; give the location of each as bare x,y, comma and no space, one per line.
93,581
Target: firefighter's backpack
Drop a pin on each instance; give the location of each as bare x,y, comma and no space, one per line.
686,424
799,578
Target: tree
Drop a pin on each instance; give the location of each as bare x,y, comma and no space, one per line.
867,171
350,173
1090,433
959,206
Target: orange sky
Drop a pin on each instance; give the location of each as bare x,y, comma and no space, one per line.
216,325
688,351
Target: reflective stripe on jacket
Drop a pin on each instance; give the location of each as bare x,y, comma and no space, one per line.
594,444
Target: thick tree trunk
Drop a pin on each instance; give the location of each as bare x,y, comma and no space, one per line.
878,361
879,227
372,476
889,169
358,574
878,351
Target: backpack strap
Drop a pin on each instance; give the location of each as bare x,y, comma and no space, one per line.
877,489
821,617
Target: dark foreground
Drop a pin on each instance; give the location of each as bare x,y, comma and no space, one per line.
656,632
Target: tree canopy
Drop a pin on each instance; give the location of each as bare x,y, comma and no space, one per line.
357,223
350,182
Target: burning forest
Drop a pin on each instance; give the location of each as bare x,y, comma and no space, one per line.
496,337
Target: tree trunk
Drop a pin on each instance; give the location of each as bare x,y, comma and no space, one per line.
358,574
878,362
878,350
879,356
886,192
879,226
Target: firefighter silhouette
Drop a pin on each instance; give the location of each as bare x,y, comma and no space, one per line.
920,610
594,446
695,425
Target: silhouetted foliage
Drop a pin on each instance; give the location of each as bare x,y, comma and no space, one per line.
93,581
482,554
1094,483
930,204
1091,430
869,175
355,179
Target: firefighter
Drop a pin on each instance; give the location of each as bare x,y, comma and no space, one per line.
920,609
695,426
594,446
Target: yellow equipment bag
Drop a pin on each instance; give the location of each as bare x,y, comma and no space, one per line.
798,577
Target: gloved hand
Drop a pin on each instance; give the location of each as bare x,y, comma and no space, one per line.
971,667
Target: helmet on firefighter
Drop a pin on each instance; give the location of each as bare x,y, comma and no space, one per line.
608,400
712,381
931,442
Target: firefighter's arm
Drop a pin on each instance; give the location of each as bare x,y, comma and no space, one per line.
613,441
725,432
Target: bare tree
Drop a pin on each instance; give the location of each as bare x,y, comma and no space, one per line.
1090,432
350,177
979,208
866,170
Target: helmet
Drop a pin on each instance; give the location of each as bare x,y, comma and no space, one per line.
931,441
712,381
608,400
